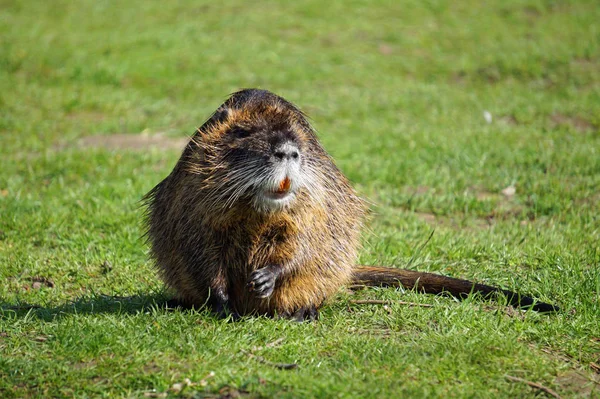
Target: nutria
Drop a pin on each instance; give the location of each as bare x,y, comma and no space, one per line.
256,218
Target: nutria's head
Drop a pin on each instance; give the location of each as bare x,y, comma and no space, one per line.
254,154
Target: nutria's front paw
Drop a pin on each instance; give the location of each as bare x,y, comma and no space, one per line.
262,281
308,313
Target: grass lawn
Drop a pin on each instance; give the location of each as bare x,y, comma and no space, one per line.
435,110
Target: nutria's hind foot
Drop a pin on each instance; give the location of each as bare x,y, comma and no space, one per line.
262,281
218,303
220,309
223,311
176,303
308,313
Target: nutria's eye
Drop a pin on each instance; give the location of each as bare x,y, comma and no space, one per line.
240,133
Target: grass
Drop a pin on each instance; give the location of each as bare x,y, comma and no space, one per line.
397,92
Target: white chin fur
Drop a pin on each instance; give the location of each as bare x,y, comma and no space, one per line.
271,202
267,197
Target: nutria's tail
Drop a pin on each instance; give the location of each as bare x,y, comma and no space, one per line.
436,284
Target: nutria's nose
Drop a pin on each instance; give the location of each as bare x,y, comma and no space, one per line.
286,151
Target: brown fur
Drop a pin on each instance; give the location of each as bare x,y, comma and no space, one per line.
207,244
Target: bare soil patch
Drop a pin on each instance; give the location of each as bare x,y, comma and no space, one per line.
136,142
510,120
576,122
577,383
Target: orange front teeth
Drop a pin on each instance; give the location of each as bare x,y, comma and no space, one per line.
284,185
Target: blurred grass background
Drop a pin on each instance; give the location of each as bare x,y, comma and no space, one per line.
397,92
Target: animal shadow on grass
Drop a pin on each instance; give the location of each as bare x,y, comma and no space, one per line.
97,304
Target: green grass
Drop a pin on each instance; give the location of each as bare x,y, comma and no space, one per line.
397,91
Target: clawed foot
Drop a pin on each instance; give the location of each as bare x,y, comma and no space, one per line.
222,311
219,305
262,281
176,303
309,313
219,309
